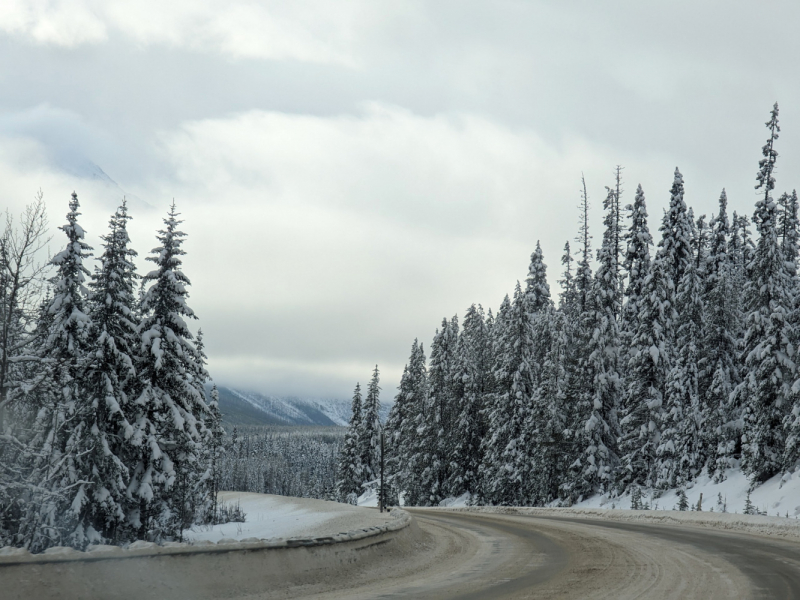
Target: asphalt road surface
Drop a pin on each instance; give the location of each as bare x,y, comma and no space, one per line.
481,556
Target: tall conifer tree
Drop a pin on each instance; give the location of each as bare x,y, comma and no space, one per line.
369,434
108,382
680,449
170,413
471,373
594,469
644,326
55,515
437,435
406,417
349,480
767,351
548,417
500,426
719,370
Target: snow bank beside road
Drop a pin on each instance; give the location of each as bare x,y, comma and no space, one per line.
269,517
779,527
337,549
775,497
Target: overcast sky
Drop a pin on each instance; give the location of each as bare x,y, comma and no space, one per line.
350,172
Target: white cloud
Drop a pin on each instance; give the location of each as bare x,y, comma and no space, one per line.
457,174
331,238
326,233
305,30
67,23
317,244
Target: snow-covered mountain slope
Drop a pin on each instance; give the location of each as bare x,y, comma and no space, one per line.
776,497
779,496
97,187
252,408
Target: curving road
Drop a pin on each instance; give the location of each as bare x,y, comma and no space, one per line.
479,556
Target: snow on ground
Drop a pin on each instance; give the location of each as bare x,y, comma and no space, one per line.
773,497
776,527
722,506
369,498
269,517
460,502
776,497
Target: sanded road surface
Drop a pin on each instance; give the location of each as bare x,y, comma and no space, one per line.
476,556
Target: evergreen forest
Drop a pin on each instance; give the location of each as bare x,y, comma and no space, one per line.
108,431
665,361
287,461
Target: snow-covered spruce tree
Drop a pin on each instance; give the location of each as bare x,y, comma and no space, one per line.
213,454
498,411
510,458
547,418
200,503
418,425
369,431
473,363
789,244
436,437
636,265
767,351
395,443
349,478
54,513
567,299
718,367
539,306
644,326
169,411
791,456
405,418
675,247
537,302
789,229
738,259
740,253
537,290
679,453
651,354
595,468
683,501
579,375
747,245
700,243
107,383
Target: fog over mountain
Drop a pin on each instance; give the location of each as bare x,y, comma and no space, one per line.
251,408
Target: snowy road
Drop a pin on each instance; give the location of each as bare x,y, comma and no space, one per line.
508,556
443,554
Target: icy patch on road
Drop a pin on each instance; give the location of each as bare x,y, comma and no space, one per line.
271,517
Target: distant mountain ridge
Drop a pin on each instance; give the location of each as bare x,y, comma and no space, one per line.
251,408
97,185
